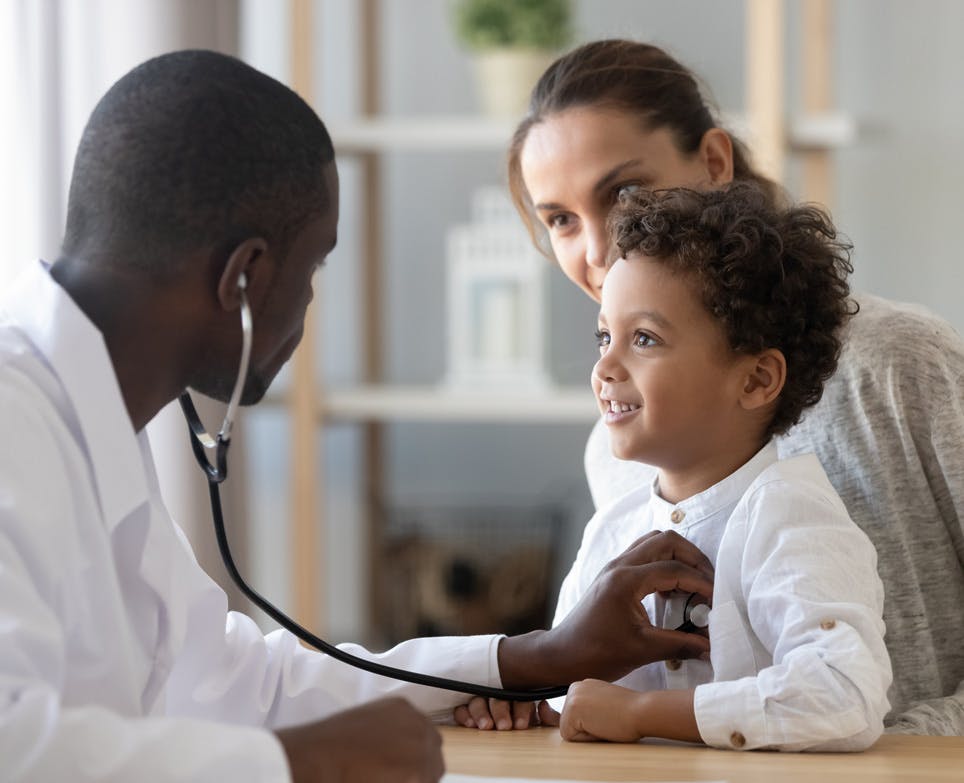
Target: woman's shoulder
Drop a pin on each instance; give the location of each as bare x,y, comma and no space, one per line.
894,334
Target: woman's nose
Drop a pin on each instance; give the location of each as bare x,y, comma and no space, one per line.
599,248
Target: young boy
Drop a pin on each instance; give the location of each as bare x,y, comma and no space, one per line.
718,327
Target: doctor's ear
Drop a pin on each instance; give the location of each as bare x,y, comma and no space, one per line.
242,271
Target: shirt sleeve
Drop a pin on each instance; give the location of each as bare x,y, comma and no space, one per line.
943,464
889,431
942,717
234,672
809,588
44,737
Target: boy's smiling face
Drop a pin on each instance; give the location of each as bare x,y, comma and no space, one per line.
666,381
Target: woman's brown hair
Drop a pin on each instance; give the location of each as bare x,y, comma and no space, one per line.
637,78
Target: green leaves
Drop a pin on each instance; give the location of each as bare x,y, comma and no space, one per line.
534,24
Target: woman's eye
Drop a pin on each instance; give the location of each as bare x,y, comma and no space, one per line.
602,339
642,340
625,192
558,221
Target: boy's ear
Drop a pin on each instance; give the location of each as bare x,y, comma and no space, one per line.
765,376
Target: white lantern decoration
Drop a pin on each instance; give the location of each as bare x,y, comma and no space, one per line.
496,307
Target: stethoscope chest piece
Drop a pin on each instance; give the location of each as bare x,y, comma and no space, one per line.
696,614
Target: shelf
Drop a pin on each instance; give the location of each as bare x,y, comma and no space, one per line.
430,133
441,404
822,131
468,132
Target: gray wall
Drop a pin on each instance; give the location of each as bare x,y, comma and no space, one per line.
901,189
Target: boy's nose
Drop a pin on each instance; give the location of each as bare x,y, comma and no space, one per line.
608,370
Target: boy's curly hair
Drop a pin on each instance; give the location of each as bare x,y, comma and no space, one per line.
774,277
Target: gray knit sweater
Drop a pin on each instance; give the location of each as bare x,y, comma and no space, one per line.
890,434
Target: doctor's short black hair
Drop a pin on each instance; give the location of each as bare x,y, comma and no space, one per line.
773,276
189,151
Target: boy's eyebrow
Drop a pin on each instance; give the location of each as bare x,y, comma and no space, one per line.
604,182
652,315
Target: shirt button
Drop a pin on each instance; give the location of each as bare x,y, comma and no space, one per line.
828,625
737,740
677,516
673,664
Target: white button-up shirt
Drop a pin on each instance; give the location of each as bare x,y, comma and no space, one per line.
797,652
118,657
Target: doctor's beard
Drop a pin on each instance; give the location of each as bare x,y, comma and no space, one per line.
218,384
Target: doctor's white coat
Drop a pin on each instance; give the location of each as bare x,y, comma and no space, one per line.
118,657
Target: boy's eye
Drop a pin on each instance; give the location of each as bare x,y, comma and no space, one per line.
642,340
602,338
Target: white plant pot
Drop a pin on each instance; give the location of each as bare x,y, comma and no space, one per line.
506,77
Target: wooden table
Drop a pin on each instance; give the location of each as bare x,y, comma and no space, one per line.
541,753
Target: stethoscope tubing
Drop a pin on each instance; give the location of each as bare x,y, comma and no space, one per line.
217,472
320,644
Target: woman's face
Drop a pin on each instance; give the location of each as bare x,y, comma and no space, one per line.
575,163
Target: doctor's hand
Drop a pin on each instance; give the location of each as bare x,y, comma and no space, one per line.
386,741
608,633
486,714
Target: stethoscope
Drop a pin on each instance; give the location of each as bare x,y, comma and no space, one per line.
696,614
201,442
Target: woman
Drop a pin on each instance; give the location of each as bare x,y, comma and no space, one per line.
613,115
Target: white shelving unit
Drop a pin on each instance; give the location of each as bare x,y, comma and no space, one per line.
433,133
366,403
766,124
821,130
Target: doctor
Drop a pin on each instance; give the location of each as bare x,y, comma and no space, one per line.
118,657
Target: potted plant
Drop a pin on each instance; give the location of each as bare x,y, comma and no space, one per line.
513,42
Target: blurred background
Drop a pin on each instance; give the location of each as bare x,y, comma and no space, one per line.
376,495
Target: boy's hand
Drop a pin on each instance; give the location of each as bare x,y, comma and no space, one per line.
489,714
596,710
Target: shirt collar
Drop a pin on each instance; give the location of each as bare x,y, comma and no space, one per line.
75,349
724,494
